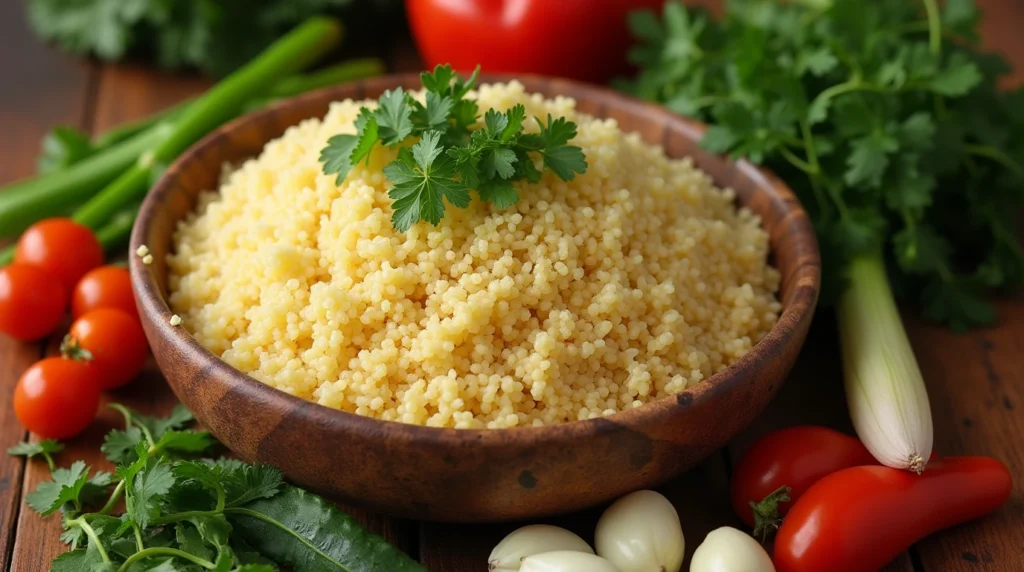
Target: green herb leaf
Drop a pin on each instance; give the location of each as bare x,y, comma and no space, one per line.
81,560
564,160
66,487
191,541
394,117
337,155
421,181
247,483
869,158
186,441
149,479
119,445
959,76
30,449
301,530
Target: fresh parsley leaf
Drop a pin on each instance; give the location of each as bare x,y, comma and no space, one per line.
514,120
156,426
868,159
81,560
246,483
563,159
147,487
433,115
394,117
500,192
119,445
191,541
369,132
96,488
29,449
439,81
499,163
960,76
337,155
186,441
422,180
66,487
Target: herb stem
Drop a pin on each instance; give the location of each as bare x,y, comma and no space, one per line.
934,26
138,537
797,161
997,155
112,501
49,460
185,516
93,538
164,551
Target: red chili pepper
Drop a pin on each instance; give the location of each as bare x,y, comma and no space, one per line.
862,518
796,458
578,39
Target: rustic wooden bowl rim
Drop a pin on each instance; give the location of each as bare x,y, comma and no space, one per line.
800,308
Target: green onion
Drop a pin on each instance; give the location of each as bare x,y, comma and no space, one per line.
293,52
884,387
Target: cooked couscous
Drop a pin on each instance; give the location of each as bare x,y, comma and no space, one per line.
631,282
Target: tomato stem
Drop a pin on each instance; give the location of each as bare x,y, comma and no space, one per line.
766,513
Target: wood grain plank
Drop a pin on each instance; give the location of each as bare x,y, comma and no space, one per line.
45,89
976,388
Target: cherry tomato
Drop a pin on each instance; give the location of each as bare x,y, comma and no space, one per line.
62,247
116,342
57,398
795,457
580,39
32,302
104,287
861,518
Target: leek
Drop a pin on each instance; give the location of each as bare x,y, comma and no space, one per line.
884,388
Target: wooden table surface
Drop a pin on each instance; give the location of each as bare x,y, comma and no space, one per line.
975,380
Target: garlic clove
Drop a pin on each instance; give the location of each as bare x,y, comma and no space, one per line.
566,561
534,539
729,550
640,532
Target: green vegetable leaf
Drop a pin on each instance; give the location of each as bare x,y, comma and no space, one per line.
191,541
563,159
960,76
96,488
499,192
421,180
66,487
247,483
81,560
29,449
119,445
439,81
367,134
337,155
433,115
62,147
303,531
961,16
186,441
147,487
394,117
156,426
818,62
869,158
958,303
514,119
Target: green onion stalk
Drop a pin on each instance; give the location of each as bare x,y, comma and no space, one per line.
122,166
885,390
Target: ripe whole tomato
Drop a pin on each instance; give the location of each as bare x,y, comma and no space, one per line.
31,302
577,39
116,344
63,248
57,398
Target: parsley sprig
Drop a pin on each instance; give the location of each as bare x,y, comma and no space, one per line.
453,154
887,120
187,513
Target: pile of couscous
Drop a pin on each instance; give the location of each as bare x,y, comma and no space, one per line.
631,282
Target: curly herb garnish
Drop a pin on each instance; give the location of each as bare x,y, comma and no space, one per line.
453,155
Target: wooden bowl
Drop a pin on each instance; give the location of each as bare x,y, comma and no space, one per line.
473,475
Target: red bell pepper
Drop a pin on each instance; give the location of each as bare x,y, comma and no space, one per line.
579,39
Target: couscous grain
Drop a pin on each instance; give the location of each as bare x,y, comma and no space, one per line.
630,282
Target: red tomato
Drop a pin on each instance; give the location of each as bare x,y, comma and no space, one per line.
861,518
116,342
580,39
31,302
57,398
104,287
795,457
62,247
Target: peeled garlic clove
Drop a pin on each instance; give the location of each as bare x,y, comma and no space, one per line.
729,550
566,561
534,539
641,533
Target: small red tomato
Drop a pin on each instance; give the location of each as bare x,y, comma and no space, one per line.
61,247
795,457
57,398
104,287
115,342
32,302
861,518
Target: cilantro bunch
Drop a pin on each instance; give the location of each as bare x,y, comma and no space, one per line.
186,513
884,117
453,154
